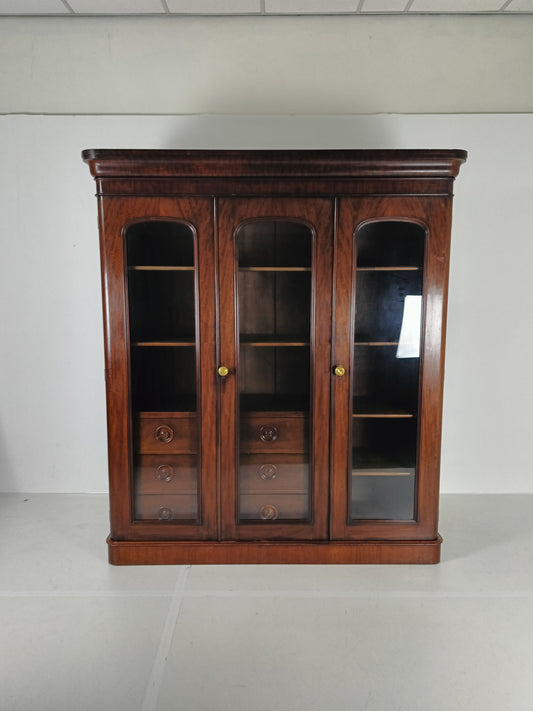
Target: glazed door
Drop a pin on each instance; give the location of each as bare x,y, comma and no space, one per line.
275,260
391,266
160,326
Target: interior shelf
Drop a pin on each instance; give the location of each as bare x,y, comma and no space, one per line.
260,340
158,268
368,462
376,343
388,269
274,269
187,412
368,407
182,342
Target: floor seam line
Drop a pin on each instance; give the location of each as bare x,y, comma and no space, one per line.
158,668
87,593
308,594
373,594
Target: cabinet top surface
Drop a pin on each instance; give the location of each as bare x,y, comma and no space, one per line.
274,163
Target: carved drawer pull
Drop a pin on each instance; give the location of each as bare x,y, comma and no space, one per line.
164,513
164,433
267,471
268,512
268,433
164,472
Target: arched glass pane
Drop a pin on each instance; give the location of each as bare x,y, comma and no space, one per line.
161,282
274,321
387,334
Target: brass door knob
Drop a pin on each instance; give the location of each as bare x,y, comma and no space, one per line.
339,370
223,371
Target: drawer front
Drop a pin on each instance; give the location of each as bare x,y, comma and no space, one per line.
261,473
157,434
273,507
272,432
166,507
166,474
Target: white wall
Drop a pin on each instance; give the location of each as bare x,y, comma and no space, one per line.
267,65
52,408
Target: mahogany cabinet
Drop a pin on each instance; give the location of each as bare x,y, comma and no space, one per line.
274,333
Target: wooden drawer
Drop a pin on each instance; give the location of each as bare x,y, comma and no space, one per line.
262,473
273,507
166,507
166,474
274,432
158,433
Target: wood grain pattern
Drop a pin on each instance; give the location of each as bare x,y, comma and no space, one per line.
263,552
317,214
212,193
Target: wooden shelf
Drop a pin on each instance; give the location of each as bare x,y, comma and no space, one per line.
382,472
185,412
367,407
261,340
187,342
371,463
274,269
388,269
154,268
375,343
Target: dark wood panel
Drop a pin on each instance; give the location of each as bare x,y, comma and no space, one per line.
273,473
166,507
273,507
233,553
281,187
166,474
166,434
274,432
274,163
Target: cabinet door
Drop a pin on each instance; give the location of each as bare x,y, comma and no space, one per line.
158,261
275,326
391,266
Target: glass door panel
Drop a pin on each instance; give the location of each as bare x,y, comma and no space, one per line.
274,278
162,297
389,261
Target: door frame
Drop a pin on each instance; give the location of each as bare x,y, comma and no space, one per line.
434,214
318,215
116,214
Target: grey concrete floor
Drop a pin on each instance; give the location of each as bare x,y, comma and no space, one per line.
79,634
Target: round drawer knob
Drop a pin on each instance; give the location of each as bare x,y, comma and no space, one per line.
268,433
223,371
164,433
164,472
268,471
164,513
339,371
268,512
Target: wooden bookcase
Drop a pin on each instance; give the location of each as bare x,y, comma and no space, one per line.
274,332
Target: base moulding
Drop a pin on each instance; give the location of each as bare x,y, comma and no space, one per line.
253,552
